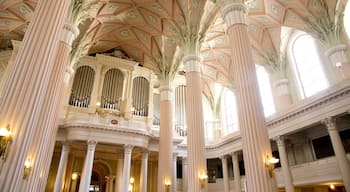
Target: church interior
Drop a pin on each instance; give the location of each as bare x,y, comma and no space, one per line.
174,96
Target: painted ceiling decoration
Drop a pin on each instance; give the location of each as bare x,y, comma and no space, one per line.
140,28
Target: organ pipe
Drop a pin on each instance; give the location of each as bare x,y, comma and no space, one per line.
82,87
140,96
112,89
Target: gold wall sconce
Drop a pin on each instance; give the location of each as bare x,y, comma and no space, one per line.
5,140
167,185
27,168
270,164
202,179
75,176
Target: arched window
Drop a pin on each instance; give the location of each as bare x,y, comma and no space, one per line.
265,91
82,87
210,124
307,65
347,19
230,112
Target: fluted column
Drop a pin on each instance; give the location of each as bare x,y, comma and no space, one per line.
42,148
282,94
225,174
143,175
236,173
165,163
27,83
339,60
174,181
195,123
126,168
184,174
87,169
343,161
255,140
288,179
118,179
61,172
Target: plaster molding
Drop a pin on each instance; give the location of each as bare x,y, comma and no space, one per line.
234,13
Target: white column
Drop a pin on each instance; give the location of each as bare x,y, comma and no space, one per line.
61,172
174,180
143,175
197,164
225,173
118,179
236,173
87,169
255,140
23,91
282,93
184,174
288,179
165,163
126,168
343,161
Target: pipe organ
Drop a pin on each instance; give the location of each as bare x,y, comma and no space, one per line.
140,96
82,87
180,113
112,89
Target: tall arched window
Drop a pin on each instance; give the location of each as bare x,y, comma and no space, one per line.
347,19
265,91
230,111
307,65
82,87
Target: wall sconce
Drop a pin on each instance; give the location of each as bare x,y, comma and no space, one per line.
270,164
74,176
167,185
131,184
27,168
202,179
5,139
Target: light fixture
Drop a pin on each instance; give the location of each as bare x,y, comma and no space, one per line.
167,185
5,139
270,164
74,176
27,168
202,179
131,184
331,186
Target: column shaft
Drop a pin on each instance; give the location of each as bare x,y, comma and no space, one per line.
43,147
118,179
165,165
61,172
174,181
143,175
225,174
195,124
236,173
282,94
288,179
22,96
126,168
87,169
255,140
340,62
340,155
184,174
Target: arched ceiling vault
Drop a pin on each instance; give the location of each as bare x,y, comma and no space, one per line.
139,28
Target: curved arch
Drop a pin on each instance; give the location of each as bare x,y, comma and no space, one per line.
112,89
307,65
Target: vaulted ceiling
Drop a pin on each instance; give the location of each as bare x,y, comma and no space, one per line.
138,27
